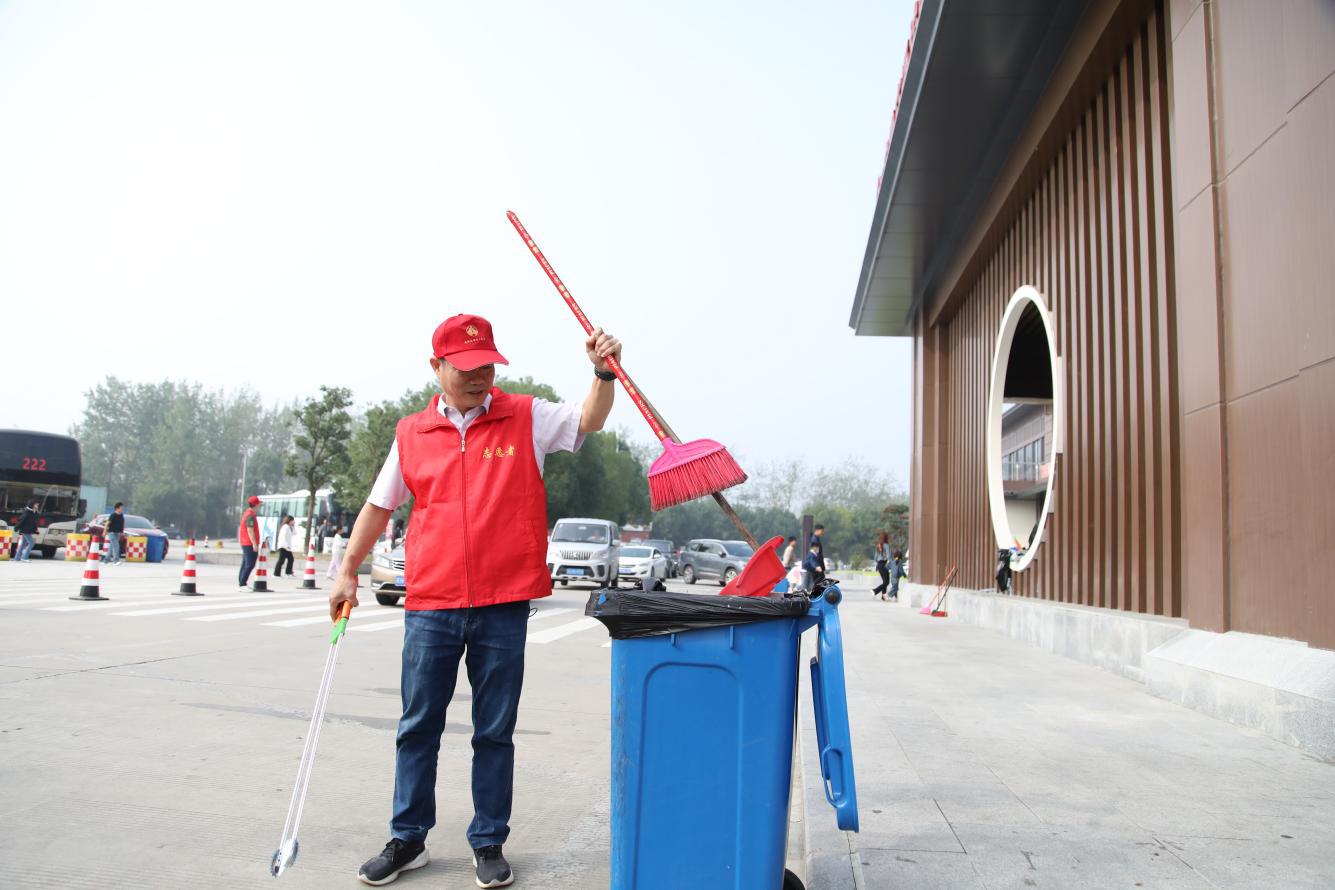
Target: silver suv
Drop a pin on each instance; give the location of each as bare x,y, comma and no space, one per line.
584,550
711,558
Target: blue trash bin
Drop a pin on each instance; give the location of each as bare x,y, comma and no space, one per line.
157,548
702,743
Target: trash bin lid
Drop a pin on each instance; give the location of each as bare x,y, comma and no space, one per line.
635,613
830,700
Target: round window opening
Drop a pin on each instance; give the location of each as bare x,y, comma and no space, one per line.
1024,422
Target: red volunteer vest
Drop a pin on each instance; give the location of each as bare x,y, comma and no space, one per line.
478,532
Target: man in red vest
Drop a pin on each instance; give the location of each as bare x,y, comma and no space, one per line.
476,554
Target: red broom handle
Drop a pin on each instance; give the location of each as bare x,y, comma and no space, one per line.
612,362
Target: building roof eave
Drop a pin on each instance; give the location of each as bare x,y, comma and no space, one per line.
974,77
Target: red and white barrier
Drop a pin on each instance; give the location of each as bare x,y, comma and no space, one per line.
91,591
308,576
188,572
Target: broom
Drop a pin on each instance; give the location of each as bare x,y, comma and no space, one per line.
938,599
685,470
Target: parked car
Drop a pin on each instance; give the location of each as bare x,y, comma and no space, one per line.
135,525
586,550
57,532
705,558
669,551
639,562
387,576
173,532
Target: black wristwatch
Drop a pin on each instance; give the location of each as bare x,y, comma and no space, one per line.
604,375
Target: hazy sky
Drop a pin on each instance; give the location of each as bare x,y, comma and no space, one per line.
284,195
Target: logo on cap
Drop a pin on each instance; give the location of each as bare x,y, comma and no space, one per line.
471,330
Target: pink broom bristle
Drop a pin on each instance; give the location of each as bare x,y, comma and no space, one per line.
674,479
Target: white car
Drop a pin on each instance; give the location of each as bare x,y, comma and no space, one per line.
584,550
642,562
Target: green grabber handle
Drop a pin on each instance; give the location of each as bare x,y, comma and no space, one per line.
341,625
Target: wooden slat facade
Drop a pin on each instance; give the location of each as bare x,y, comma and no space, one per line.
1092,229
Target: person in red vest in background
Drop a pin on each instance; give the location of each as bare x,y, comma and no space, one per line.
248,534
475,553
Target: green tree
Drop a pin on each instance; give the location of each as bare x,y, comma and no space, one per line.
320,447
702,518
853,500
174,452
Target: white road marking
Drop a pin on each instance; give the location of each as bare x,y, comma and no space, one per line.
299,622
126,599
121,600
562,630
262,613
209,607
548,613
367,628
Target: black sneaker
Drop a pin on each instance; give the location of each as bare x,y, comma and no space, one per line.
396,857
492,869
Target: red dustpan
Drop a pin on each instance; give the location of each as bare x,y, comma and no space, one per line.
760,574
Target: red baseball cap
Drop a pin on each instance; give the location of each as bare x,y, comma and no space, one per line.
465,341
254,500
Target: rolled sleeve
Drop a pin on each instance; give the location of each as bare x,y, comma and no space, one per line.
390,491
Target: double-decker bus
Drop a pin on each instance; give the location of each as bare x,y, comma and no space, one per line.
42,467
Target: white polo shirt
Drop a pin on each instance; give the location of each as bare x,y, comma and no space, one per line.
555,428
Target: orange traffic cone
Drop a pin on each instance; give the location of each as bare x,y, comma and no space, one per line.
91,591
261,582
308,576
188,572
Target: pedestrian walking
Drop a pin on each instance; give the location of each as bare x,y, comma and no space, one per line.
811,571
115,528
882,555
896,572
26,526
817,534
472,461
336,547
248,534
287,532
321,532
790,552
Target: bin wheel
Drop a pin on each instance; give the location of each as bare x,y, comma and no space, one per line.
792,881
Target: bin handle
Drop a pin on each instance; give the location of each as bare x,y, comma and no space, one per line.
833,742
834,778
818,702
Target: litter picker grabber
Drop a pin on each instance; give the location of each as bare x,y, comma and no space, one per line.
685,470
286,854
935,606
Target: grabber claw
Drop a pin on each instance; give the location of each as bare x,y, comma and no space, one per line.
286,854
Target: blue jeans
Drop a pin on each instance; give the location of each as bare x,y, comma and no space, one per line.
491,642
25,546
248,559
113,548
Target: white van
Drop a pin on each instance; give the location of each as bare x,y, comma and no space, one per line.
584,550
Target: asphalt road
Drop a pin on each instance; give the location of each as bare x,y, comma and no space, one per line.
152,740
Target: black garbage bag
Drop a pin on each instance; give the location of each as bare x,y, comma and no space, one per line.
635,613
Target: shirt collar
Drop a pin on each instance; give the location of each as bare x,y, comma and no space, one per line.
450,413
